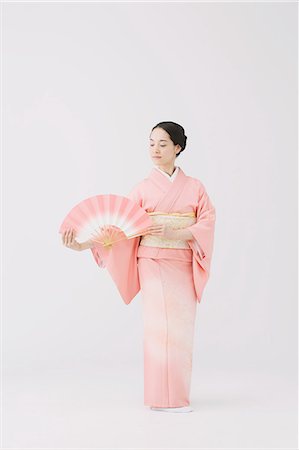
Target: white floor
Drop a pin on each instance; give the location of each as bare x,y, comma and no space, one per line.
104,409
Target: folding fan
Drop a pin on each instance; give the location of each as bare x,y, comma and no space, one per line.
106,219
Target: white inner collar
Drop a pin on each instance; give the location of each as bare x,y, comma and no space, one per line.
170,177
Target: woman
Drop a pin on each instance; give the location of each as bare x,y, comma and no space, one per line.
170,264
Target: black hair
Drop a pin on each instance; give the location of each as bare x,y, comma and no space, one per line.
176,133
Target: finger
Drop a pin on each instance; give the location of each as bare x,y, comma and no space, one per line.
66,236
63,237
73,236
69,237
156,232
157,227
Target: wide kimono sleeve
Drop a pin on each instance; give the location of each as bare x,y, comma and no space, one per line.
99,254
121,260
202,243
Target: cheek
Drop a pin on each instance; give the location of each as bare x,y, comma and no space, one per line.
168,153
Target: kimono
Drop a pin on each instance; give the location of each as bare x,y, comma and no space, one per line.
171,276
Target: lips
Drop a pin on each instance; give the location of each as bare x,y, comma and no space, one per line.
156,156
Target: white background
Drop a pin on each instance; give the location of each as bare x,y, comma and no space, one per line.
82,86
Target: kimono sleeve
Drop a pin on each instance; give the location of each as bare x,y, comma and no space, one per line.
136,195
121,260
203,230
122,264
99,255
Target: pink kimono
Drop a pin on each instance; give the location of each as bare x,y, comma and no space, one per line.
171,276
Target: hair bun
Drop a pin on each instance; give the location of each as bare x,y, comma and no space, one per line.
184,142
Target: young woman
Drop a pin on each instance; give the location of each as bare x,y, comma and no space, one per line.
170,265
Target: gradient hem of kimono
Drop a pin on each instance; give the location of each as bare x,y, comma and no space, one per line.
169,311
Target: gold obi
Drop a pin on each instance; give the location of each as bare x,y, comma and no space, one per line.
175,221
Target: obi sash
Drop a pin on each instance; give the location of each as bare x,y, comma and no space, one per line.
175,221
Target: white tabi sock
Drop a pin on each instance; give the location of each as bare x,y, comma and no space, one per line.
180,409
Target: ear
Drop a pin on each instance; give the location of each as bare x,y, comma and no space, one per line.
179,148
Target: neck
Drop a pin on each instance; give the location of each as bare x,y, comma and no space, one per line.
169,169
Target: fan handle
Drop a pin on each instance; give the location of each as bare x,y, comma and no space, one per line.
131,236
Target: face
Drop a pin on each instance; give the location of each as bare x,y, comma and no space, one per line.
162,149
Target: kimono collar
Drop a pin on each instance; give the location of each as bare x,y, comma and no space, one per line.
162,180
170,191
172,176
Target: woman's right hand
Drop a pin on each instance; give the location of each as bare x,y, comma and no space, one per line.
68,239
153,230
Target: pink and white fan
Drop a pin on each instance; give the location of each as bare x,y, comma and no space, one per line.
106,219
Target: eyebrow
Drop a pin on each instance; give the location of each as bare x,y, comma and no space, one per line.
160,140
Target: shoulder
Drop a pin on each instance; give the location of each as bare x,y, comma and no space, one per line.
197,184
138,186
136,192
199,187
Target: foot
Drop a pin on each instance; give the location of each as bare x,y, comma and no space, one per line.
181,409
